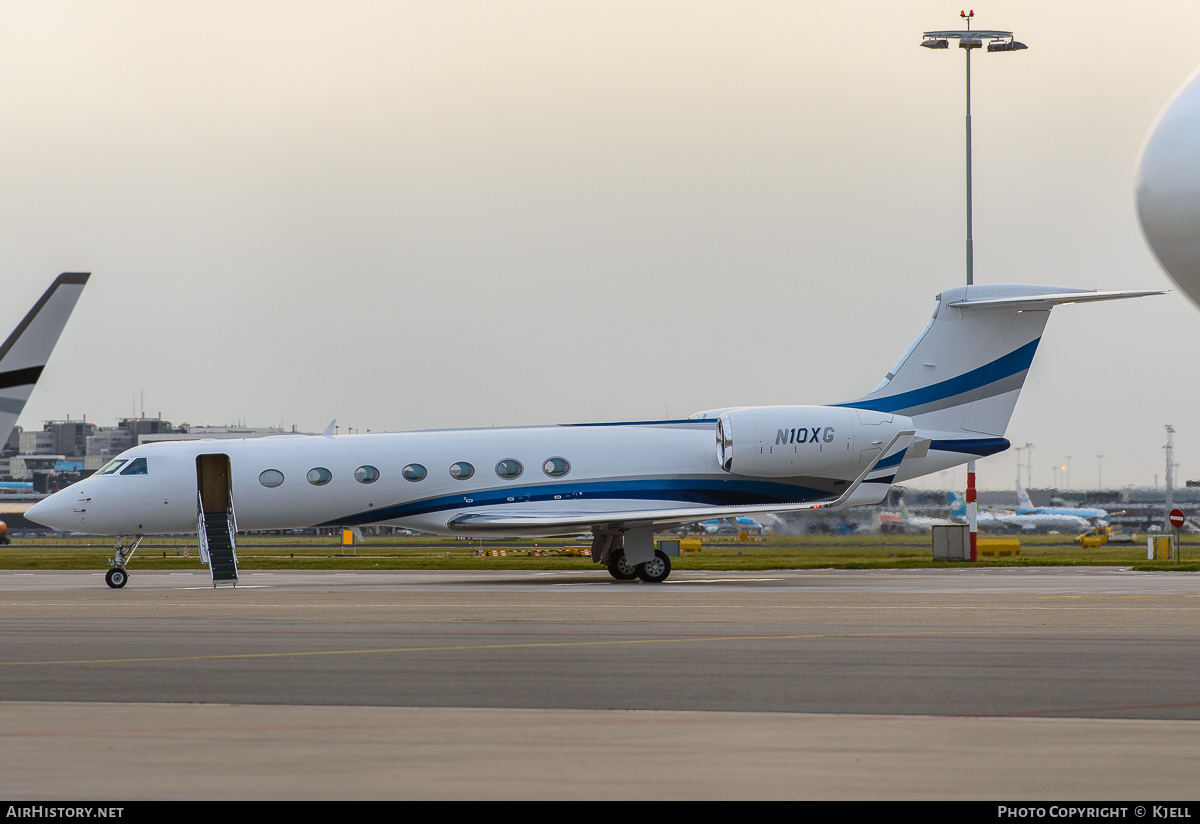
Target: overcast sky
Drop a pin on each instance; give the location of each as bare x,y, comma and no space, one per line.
452,214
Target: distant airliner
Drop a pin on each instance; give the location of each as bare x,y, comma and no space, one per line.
989,519
947,401
1026,507
906,522
24,354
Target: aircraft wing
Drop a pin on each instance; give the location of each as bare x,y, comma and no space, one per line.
571,521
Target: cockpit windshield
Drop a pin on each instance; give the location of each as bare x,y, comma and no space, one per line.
136,467
112,466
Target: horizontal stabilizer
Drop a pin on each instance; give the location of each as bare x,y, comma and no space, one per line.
1021,302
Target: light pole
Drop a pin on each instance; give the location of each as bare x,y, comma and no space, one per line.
998,41
1170,447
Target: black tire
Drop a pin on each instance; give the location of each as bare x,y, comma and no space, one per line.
655,571
116,577
619,568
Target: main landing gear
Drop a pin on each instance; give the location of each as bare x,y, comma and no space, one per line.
619,568
654,571
117,577
613,545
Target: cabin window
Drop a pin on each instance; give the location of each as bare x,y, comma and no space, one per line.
461,471
136,467
270,478
366,474
509,469
556,467
414,472
112,466
319,476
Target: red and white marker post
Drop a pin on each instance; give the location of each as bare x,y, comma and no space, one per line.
972,513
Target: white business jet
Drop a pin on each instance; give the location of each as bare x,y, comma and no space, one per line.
23,356
947,401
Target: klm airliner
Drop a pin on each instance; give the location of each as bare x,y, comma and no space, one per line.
1026,507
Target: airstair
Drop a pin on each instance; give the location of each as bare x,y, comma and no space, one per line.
218,545
216,525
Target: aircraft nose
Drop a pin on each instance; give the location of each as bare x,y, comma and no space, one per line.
1168,188
55,512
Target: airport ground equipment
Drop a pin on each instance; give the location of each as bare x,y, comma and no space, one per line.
1159,547
951,542
668,546
999,547
1098,535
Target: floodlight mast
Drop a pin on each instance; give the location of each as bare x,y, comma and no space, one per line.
998,41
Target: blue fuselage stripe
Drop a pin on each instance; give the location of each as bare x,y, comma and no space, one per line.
1005,366
732,492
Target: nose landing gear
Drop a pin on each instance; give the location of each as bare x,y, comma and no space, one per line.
117,577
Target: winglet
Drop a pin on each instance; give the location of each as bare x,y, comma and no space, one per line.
328,433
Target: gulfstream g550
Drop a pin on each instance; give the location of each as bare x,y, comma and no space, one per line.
947,401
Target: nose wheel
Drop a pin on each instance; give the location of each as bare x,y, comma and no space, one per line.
117,577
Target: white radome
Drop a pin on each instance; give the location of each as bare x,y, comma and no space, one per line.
1168,188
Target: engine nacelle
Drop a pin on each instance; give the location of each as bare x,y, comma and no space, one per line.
789,441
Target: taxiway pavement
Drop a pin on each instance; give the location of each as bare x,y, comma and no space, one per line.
1023,683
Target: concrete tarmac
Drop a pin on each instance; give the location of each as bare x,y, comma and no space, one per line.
975,683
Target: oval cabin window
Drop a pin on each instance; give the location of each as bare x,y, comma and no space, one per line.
556,467
509,469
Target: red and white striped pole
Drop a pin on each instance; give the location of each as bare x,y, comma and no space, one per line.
972,511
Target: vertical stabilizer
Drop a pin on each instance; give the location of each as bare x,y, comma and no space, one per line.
24,354
1023,501
965,370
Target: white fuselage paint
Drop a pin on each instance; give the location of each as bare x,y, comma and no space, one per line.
619,467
